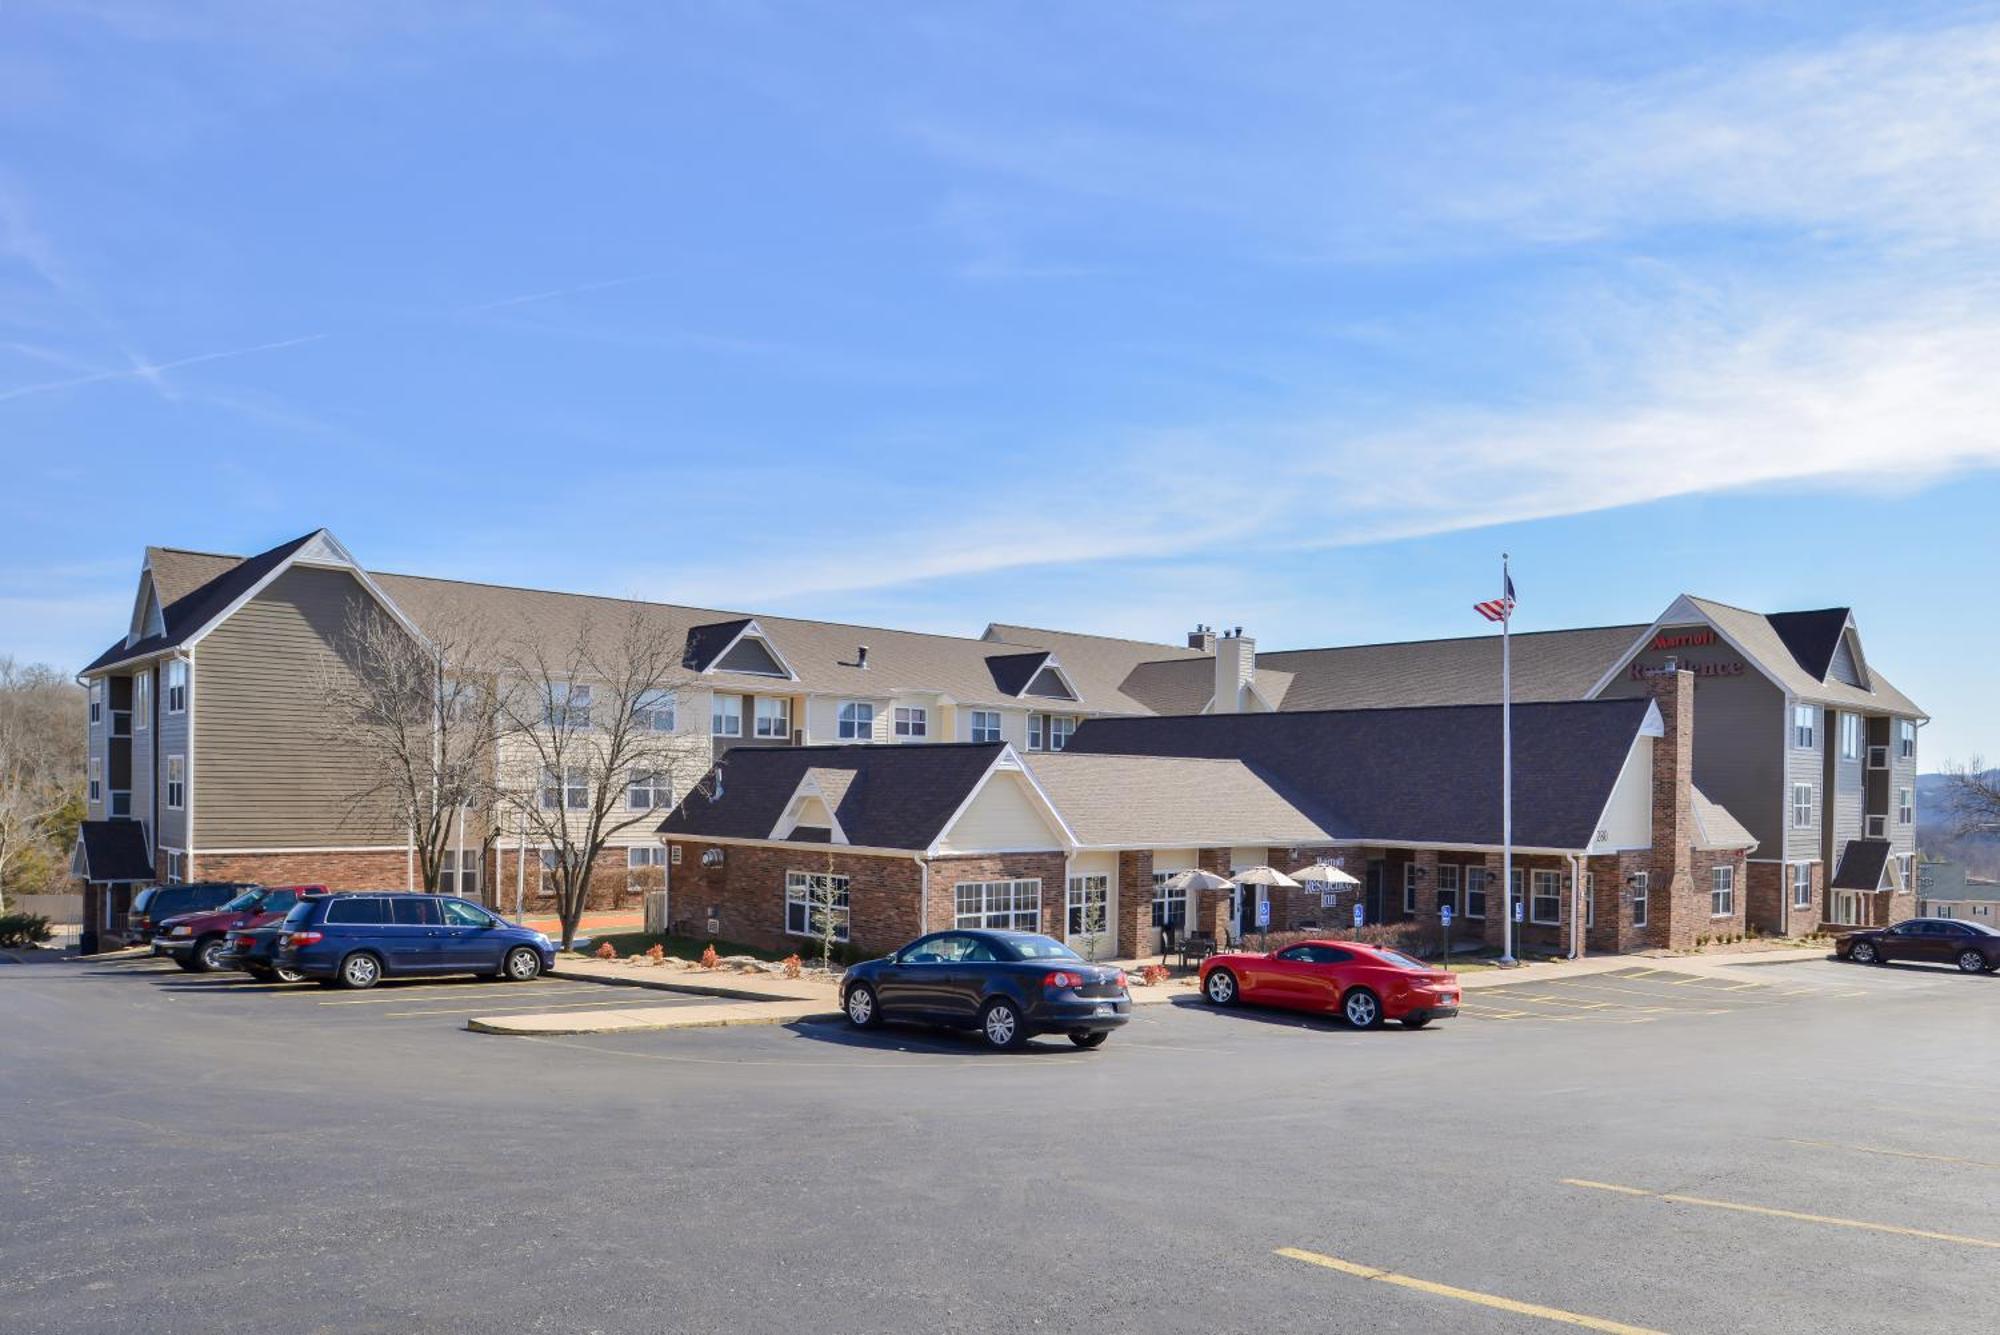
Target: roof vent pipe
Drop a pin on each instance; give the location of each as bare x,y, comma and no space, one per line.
861,657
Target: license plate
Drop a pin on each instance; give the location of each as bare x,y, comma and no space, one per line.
1107,1010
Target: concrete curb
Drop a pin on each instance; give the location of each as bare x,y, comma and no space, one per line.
637,1021
662,985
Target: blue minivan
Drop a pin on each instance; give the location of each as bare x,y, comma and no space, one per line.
358,938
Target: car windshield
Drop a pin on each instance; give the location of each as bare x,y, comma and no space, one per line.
1041,948
1402,961
249,899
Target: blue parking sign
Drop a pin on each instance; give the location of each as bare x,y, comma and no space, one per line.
1263,913
1520,910
1444,912
1357,915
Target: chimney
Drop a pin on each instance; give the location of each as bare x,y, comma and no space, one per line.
1235,669
861,657
1202,638
1670,890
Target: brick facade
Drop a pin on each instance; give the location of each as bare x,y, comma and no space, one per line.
381,869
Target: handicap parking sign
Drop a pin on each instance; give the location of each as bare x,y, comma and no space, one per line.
1357,915
1444,912
1263,913
1519,910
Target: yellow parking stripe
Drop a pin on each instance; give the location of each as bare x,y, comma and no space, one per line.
1463,1295
1894,1154
1772,1211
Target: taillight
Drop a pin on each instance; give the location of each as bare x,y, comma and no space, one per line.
304,938
1061,979
1118,979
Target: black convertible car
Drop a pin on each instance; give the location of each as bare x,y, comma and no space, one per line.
1007,985
1973,947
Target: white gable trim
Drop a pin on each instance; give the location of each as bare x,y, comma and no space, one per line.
1049,664
1008,761
1682,611
1654,726
750,630
148,615
1850,635
322,551
788,819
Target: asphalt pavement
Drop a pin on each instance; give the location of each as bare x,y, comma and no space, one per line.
1812,1147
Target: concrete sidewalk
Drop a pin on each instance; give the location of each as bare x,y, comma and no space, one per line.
653,1017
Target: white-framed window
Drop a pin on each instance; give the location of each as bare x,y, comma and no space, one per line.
570,790
1906,806
1878,757
1802,806
551,863
177,686
97,702
811,900
1906,738
176,868
568,705
121,801
1850,736
725,715
1088,905
1642,884
1906,871
142,700
1409,888
857,721
674,855
774,716
656,711
1875,827
97,778
1448,874
912,721
1802,885
1061,726
1545,905
1036,724
985,725
1590,899
1475,892
1721,892
176,783
1805,719
645,867
456,879
1169,907
648,791
1001,906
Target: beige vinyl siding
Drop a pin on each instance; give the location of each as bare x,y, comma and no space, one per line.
267,780
1844,790
145,754
100,748
1005,817
1902,774
172,740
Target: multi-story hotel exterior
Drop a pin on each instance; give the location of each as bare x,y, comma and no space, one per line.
206,760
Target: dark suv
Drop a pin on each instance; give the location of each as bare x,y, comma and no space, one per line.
195,941
157,903
359,938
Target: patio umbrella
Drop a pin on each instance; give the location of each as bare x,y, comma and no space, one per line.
1183,882
1263,876
1326,873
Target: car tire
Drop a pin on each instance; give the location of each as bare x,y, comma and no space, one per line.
863,1012
202,957
1416,1021
521,965
185,963
1088,1039
288,975
261,974
1220,988
359,971
1863,952
1971,961
1361,1008
1001,1025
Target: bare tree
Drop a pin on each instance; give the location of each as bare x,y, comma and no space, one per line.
1972,798
591,746
42,743
422,716
826,912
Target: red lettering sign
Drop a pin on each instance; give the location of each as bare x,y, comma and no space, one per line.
1683,639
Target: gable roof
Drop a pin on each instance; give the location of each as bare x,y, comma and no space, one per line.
1137,801
1013,672
898,797
1714,827
1100,667
1414,775
1811,637
1861,865
194,608
706,643
112,850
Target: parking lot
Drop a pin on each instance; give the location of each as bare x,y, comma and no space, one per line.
1808,1147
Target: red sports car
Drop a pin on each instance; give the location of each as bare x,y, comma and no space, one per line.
1366,984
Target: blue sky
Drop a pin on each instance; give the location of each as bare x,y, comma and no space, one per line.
1110,317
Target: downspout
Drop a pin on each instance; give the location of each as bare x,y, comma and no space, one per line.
924,903
1575,905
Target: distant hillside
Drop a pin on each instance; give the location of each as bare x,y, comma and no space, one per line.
1936,837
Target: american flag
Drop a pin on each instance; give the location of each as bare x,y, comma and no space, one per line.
1501,608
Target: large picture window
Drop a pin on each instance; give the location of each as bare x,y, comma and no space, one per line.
1001,906
1545,905
812,900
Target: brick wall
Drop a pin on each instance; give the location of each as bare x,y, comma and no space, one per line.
1135,904
382,870
1048,868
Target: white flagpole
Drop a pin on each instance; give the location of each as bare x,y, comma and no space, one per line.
1506,771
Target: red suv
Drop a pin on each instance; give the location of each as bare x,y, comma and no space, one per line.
194,940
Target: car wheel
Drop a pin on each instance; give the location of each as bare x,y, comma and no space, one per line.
1362,1008
1416,1021
1000,1024
260,973
1971,961
860,1007
1862,952
1086,1039
288,975
205,952
1220,988
522,965
360,971
183,962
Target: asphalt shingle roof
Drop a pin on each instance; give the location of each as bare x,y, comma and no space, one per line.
894,796
1139,801
114,850
1861,864
1414,775
197,606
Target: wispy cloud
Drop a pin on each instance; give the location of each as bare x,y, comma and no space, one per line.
151,372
